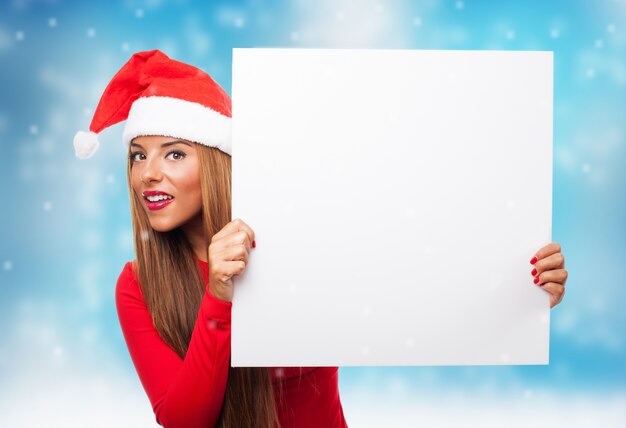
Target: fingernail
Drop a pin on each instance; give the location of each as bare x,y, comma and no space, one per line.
533,260
253,244
534,272
536,280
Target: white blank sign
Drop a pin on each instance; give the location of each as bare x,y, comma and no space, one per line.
397,198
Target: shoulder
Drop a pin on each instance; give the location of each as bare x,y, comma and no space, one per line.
128,271
127,280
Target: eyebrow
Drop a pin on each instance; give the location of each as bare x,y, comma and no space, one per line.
169,143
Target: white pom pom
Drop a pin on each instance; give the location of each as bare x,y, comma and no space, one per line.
85,144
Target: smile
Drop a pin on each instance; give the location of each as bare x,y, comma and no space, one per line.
155,200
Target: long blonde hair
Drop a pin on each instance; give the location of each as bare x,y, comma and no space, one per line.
173,288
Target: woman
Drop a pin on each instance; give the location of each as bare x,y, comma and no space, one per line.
186,389
174,301
175,316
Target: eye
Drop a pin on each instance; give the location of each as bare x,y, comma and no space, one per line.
178,155
132,156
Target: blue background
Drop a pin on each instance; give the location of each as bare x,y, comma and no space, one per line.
66,230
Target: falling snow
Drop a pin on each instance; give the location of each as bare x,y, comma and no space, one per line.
587,58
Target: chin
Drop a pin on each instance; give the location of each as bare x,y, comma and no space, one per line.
162,226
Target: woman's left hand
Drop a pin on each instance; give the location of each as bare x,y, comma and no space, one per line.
549,271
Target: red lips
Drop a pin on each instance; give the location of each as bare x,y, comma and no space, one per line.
158,204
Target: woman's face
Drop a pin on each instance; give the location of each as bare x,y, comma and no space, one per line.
169,167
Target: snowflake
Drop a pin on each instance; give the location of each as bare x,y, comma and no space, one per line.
58,351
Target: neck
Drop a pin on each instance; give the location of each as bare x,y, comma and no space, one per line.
194,232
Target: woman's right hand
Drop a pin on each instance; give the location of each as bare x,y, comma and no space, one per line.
228,256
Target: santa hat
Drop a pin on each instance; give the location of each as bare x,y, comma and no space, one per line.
157,95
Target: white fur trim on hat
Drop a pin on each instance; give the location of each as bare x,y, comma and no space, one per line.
174,117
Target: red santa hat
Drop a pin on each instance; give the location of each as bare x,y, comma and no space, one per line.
157,95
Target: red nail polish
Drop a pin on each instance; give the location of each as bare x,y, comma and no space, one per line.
536,280
534,272
253,244
533,260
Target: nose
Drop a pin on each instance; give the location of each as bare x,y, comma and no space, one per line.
152,171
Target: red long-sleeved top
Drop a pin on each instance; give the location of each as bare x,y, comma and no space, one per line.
189,392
